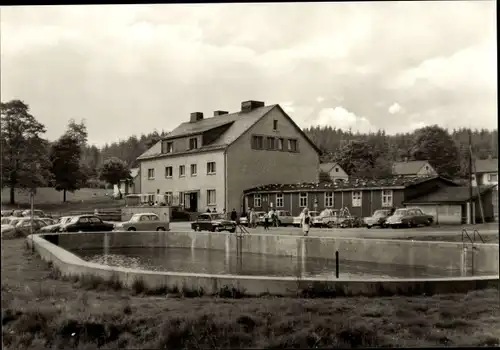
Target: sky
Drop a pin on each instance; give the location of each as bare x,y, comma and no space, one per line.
132,69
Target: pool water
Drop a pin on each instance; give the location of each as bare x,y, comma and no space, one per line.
216,262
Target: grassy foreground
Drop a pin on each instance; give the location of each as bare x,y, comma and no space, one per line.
39,311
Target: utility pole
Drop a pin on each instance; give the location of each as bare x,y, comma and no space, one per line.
470,178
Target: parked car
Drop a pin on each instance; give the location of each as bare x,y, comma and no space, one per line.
8,220
17,213
48,221
244,221
409,217
36,213
284,217
350,222
330,217
86,223
57,225
143,222
213,222
22,226
7,212
378,218
297,220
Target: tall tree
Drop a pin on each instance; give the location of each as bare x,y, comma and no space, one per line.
360,159
24,151
113,171
434,144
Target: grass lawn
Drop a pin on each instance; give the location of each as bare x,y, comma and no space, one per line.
49,199
39,311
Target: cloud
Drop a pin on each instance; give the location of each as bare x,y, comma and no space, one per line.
341,118
131,69
394,108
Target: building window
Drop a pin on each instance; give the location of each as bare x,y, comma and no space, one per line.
181,199
168,198
257,201
303,200
280,144
168,171
211,168
275,125
151,174
279,200
167,147
194,170
336,170
151,197
356,198
493,177
292,145
257,142
182,170
329,199
193,143
387,198
270,143
211,197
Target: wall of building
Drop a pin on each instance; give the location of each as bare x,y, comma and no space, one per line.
426,187
201,182
426,170
444,213
248,168
371,201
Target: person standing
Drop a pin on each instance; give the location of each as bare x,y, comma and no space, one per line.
306,221
266,221
251,218
234,215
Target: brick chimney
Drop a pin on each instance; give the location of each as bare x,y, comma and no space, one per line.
247,106
217,113
196,116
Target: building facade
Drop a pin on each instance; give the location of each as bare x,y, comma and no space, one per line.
360,197
486,171
207,163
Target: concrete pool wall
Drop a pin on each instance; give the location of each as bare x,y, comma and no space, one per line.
52,248
483,259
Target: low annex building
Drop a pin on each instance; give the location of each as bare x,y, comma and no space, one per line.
207,163
360,197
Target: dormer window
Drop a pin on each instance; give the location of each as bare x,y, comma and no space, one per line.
167,147
193,143
336,170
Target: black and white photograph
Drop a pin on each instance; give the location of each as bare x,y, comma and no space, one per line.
244,175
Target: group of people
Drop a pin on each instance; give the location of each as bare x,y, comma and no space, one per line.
271,220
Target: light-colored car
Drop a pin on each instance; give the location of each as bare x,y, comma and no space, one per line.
56,226
260,217
36,213
378,218
22,226
143,222
7,212
284,217
297,220
330,217
244,221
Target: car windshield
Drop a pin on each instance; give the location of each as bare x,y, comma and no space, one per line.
379,213
135,218
400,212
217,217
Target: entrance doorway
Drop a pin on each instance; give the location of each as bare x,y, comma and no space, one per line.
193,201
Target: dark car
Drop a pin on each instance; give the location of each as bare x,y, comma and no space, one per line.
86,223
213,222
409,217
378,218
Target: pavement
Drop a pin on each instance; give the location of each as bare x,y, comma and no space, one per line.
363,232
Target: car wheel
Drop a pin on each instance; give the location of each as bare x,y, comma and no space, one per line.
131,229
213,229
410,225
160,229
233,230
369,226
197,228
428,222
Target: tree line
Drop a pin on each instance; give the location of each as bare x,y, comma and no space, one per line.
70,163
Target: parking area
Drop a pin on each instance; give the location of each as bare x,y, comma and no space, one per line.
484,229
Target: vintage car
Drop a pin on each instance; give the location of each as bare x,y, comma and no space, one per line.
36,213
350,222
22,226
243,220
86,223
330,217
55,227
7,212
409,217
378,218
213,222
18,213
143,222
297,220
284,217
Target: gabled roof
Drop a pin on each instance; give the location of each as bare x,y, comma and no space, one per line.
327,167
487,165
238,123
458,194
362,184
408,168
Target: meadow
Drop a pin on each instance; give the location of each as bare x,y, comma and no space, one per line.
42,310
